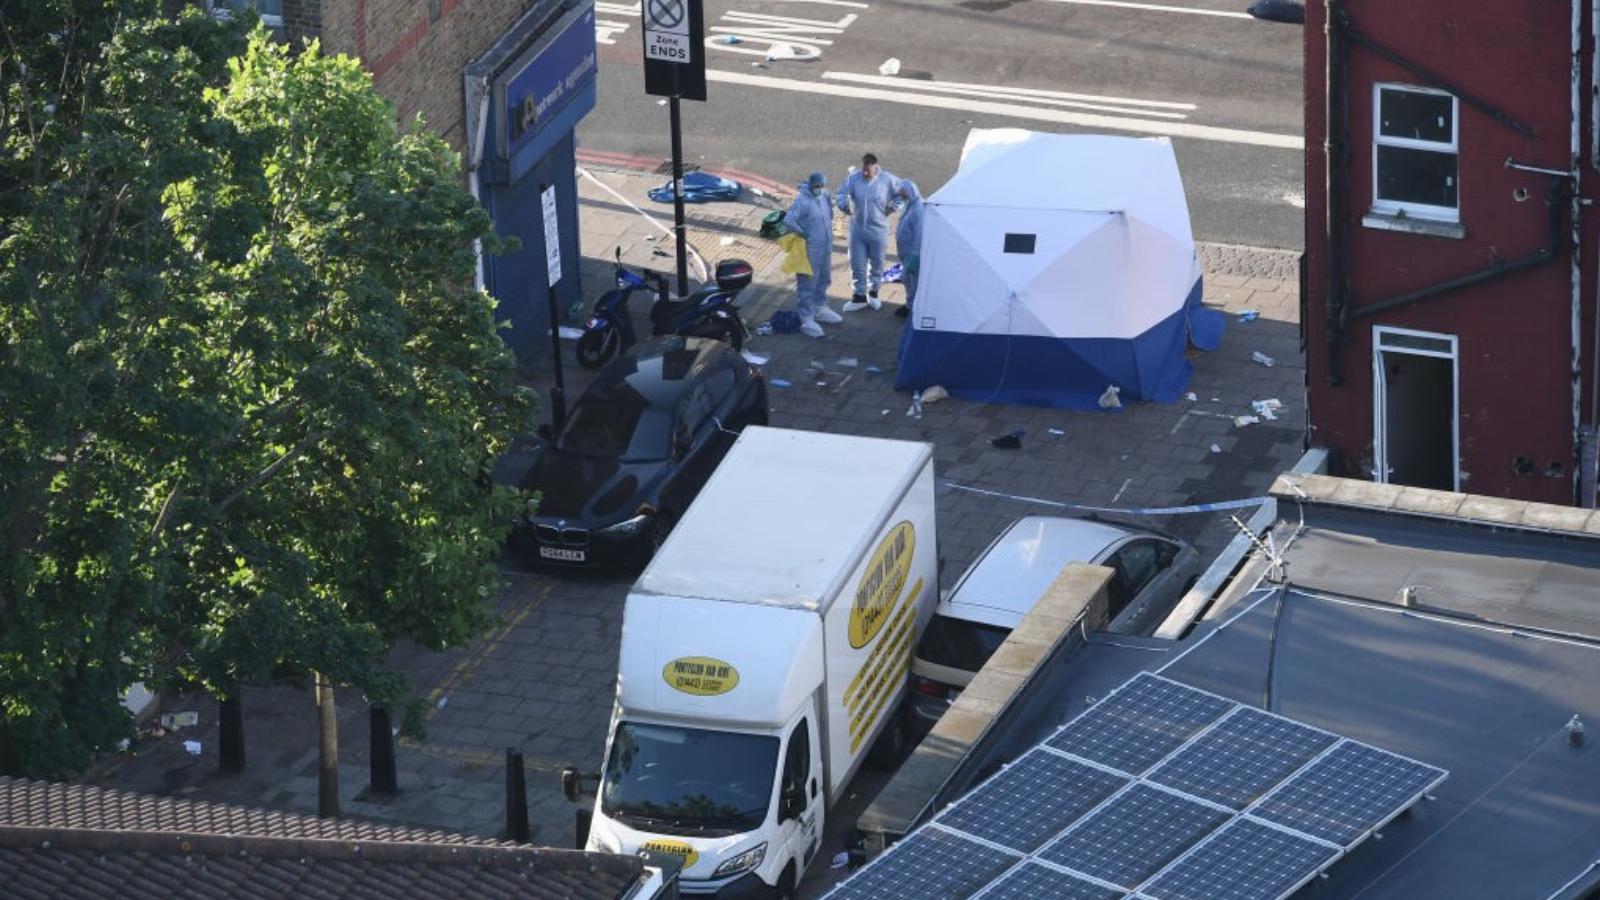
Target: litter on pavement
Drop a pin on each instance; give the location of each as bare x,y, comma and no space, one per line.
1266,409
781,382
891,66
1057,432
1108,398
755,359
874,370
186,719
1215,449
849,362
1190,397
934,394
1247,316
784,321
192,747
1263,359
1012,441
1242,421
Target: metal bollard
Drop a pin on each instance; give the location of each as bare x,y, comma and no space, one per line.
382,780
516,797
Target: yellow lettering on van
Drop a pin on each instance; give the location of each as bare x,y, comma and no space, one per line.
882,580
700,675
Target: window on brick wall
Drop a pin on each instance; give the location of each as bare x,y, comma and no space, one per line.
1414,152
271,10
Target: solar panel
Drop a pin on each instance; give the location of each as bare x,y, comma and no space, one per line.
1219,800
1146,719
1349,792
930,863
1245,860
1031,881
1243,757
1030,800
1134,836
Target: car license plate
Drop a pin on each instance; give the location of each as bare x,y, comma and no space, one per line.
561,553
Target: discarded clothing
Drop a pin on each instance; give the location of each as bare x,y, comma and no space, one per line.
699,187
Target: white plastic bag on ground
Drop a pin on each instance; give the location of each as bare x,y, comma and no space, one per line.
1109,399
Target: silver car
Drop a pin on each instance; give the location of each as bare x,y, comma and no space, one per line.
1151,573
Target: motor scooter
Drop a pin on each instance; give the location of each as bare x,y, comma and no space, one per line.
708,312
609,327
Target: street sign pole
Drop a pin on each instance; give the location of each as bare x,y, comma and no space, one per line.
678,227
675,68
552,257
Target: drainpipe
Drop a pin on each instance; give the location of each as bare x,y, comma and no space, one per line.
477,95
1333,160
1577,281
1552,246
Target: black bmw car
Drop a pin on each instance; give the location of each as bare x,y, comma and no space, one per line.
636,449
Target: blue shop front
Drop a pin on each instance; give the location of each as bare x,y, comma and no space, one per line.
524,99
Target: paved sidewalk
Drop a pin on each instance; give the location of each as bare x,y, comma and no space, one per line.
543,680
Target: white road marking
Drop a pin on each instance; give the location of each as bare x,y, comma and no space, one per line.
848,4
1031,95
1002,89
1017,111
803,37
607,30
1157,7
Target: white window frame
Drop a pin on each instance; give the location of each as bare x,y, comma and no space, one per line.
223,12
1379,139
1380,398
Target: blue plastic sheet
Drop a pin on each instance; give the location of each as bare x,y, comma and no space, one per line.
699,187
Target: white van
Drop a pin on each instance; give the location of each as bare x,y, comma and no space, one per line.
763,652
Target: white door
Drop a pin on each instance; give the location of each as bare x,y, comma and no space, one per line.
800,797
1416,408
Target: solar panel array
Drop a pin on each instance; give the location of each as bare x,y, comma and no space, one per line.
1161,791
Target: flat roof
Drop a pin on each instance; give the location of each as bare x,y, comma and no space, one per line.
1479,675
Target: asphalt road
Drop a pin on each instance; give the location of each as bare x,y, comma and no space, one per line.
1224,86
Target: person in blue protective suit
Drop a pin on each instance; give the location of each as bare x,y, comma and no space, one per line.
812,217
868,197
908,241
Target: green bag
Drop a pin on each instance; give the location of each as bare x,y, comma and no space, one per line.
772,225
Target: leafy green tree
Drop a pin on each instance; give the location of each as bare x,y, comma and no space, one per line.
251,398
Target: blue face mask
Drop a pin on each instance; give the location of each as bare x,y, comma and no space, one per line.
818,190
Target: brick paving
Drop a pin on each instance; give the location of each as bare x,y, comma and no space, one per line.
543,680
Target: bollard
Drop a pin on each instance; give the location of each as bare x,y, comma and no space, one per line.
230,737
581,817
381,779
516,798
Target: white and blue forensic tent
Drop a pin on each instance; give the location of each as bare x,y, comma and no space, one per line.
1054,266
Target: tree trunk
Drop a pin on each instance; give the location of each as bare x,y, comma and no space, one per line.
328,757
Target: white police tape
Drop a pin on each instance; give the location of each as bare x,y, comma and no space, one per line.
1145,511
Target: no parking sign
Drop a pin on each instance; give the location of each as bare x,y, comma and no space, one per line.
674,51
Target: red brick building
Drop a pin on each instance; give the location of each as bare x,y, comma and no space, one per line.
1450,268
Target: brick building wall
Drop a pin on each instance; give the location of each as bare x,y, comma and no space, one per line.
1515,372
416,50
